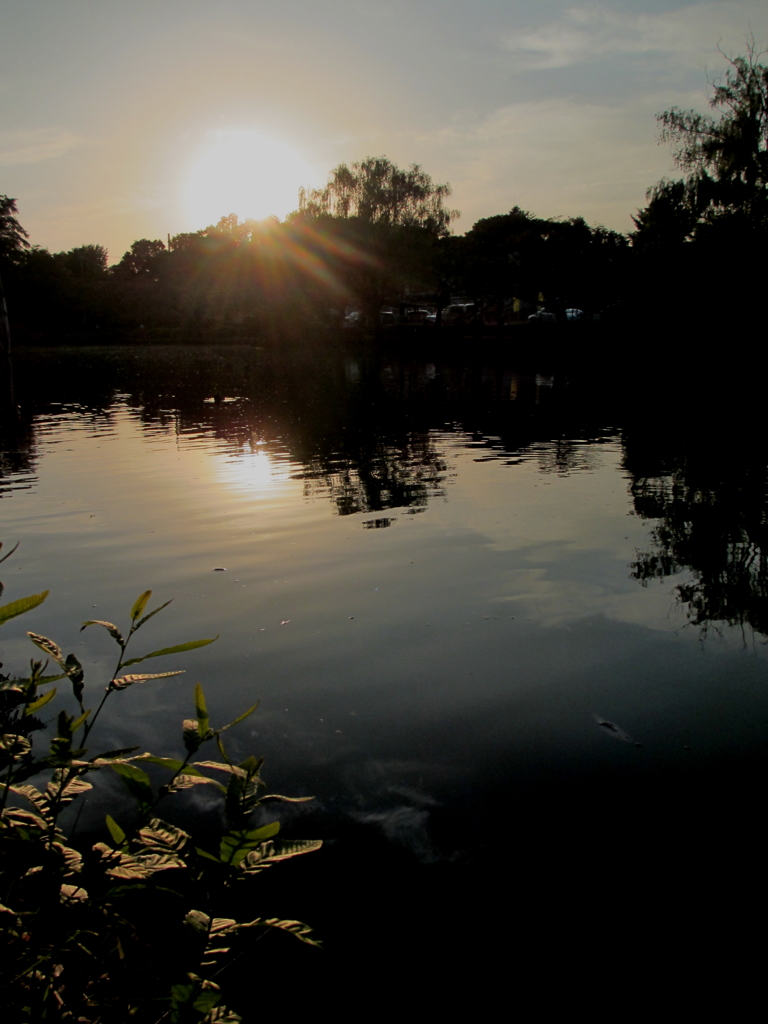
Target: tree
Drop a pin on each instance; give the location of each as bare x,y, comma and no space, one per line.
379,192
725,159
13,237
85,262
13,242
670,217
728,151
710,227
141,258
518,255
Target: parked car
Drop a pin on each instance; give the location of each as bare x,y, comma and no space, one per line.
458,312
574,314
417,316
543,316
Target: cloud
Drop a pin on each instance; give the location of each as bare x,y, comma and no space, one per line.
557,157
596,31
35,145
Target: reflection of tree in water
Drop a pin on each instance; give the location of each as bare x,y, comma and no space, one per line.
380,476
711,501
362,427
565,457
17,458
366,447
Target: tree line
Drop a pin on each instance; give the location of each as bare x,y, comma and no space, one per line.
378,236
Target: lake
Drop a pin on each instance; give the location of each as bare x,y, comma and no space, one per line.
499,617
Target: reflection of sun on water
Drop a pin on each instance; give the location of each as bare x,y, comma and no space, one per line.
256,470
246,173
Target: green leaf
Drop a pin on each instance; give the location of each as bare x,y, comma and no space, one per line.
172,763
177,649
229,768
73,667
235,845
198,921
298,929
140,604
206,1001
40,702
165,762
243,793
38,800
14,685
125,681
24,604
136,781
223,927
74,670
120,752
109,626
187,781
208,856
286,799
14,744
149,616
128,771
48,646
239,718
64,725
201,710
181,996
74,726
270,853
118,836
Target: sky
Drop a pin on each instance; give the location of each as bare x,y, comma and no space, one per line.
130,120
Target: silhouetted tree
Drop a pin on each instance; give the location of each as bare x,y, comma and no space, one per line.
721,204
725,160
13,237
727,154
13,242
141,259
86,262
670,217
379,192
522,256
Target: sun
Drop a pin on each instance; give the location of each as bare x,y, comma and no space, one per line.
244,172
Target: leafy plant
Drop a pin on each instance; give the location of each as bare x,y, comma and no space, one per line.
138,926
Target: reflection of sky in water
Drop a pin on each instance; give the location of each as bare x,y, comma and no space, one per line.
497,622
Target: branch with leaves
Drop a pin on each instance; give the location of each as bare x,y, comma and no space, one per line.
135,925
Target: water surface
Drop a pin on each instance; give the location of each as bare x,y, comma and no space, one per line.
439,577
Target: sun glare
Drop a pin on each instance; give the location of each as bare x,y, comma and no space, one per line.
246,173
255,470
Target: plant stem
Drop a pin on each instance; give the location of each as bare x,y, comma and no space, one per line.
7,783
89,725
